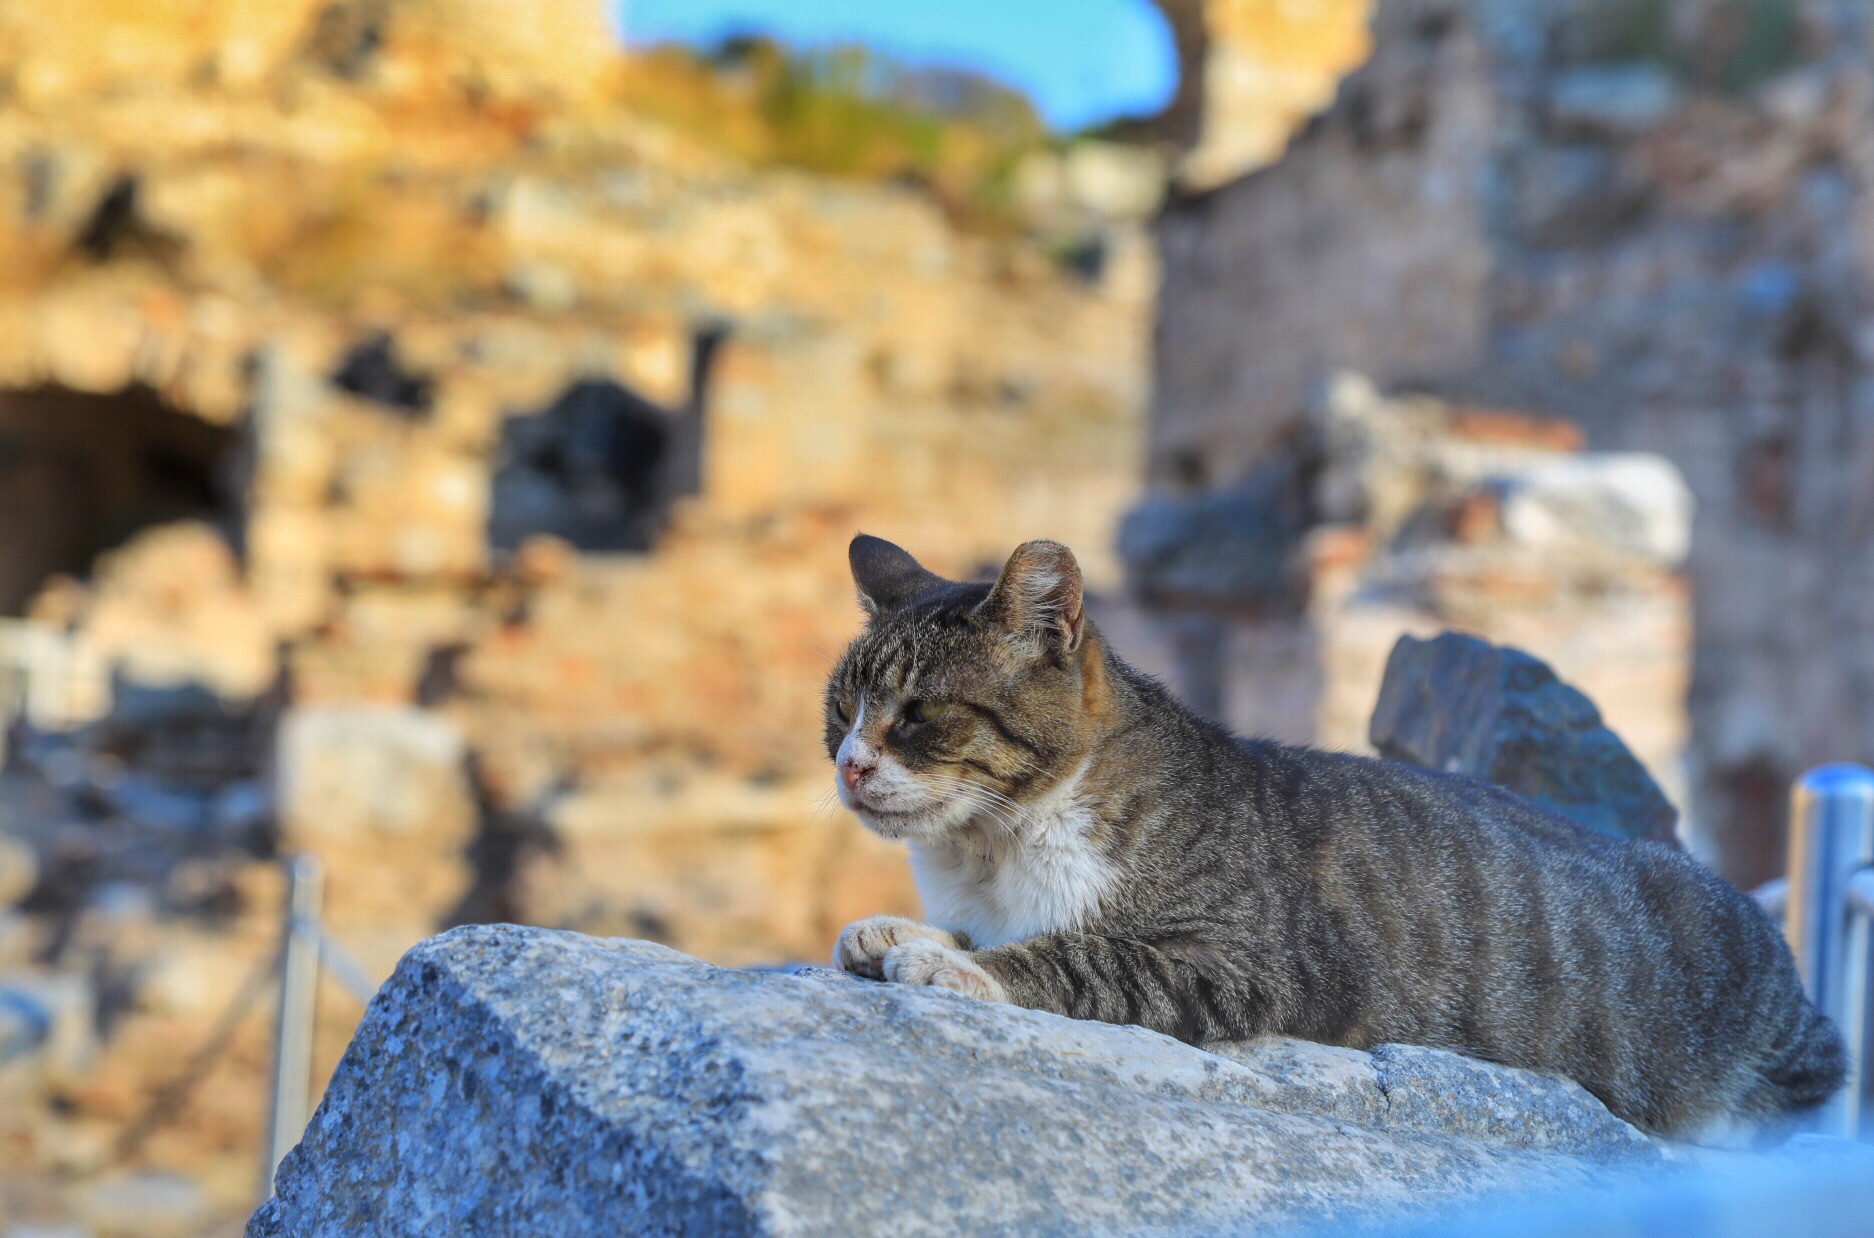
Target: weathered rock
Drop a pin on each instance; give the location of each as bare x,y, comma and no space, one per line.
1230,548
48,1026
1460,704
351,770
1615,100
19,870
1628,502
146,1205
1412,1088
509,1077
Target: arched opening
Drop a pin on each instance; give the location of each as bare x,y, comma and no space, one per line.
80,473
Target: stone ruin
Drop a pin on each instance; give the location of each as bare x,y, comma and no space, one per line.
452,466
1650,219
1274,603
415,453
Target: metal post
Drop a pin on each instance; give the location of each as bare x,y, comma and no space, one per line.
299,982
1830,912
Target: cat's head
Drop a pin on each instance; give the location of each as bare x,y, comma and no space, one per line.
961,702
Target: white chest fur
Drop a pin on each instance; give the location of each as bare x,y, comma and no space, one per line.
1046,875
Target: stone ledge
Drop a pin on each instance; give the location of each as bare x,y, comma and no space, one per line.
522,1080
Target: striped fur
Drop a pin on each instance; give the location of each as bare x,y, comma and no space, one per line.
1087,846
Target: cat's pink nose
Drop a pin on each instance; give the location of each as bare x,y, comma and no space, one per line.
855,772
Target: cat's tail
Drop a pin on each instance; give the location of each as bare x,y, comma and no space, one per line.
1810,1068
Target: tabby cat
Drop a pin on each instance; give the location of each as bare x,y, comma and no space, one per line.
1085,845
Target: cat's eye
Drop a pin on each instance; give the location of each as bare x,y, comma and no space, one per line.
842,713
917,713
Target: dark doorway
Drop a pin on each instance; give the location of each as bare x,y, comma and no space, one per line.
600,466
80,473
584,470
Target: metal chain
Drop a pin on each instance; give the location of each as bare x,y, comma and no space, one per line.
339,965
168,1100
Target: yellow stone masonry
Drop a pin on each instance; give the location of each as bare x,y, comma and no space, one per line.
1271,65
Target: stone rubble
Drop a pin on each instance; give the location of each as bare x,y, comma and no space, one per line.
1460,704
1276,602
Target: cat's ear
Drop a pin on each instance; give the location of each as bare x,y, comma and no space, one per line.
1038,596
887,576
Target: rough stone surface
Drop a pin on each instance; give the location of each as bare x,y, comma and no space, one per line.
1630,502
1428,1091
1460,704
510,1077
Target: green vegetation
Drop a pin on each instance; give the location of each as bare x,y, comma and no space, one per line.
849,112
1728,45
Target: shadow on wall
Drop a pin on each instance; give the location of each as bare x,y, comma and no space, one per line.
600,466
80,473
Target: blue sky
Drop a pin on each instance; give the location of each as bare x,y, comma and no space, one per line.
1081,61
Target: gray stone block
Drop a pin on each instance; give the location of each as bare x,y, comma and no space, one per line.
1463,705
514,1080
1409,1088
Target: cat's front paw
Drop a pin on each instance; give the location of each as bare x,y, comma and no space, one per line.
924,961
863,944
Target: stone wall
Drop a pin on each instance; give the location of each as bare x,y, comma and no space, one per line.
1250,72
369,270
1660,235
422,285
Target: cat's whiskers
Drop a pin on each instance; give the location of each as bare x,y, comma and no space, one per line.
988,802
988,811
974,788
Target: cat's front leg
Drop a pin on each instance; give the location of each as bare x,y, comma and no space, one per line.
1121,980
863,944
930,962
